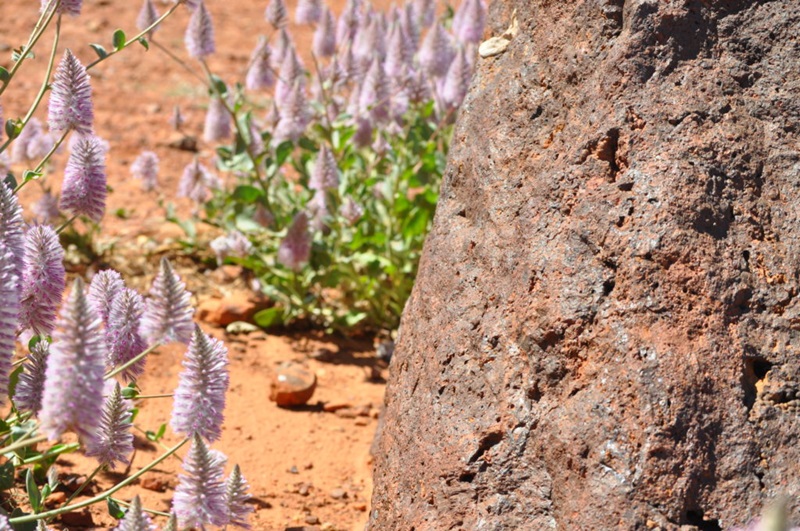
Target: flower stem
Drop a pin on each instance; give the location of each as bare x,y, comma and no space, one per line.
145,509
83,485
66,224
71,447
24,442
132,361
38,31
103,495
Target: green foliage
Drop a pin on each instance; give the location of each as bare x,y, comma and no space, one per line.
361,269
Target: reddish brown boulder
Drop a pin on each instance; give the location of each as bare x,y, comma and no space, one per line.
605,327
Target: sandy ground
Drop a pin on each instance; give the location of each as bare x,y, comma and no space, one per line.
306,466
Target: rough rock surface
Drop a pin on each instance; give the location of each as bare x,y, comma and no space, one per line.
605,329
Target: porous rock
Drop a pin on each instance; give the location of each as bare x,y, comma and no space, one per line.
604,331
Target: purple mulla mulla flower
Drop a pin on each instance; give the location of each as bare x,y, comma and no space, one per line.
103,289
199,498
83,192
236,497
145,168
199,399
398,55
363,136
457,81
232,244
11,232
43,280
122,333
135,518
19,149
168,309
197,181
469,21
66,7
325,174
9,311
147,16
217,124
284,44
73,389
318,208
366,44
295,248
351,211
30,387
349,22
426,11
112,442
436,52
410,24
259,74
325,36
294,116
418,88
291,73
308,11
374,97
71,107
199,38
276,13
40,145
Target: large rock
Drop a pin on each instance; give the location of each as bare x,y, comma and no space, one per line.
605,329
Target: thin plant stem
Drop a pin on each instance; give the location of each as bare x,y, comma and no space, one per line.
24,442
71,447
83,485
38,30
145,509
132,361
178,60
45,83
138,36
66,224
165,395
44,160
103,495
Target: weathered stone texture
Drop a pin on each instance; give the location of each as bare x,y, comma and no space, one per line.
605,329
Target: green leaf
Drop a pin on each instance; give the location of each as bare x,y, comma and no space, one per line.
119,39
144,43
352,318
30,175
269,317
129,393
34,496
245,223
247,194
52,478
6,475
5,77
99,50
219,85
13,128
13,379
114,509
283,152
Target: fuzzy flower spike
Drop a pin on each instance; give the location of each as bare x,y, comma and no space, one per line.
43,280
199,400
168,310
9,309
295,249
28,394
236,496
200,498
84,190
73,391
112,443
199,38
71,107
122,333
11,223
136,519
66,7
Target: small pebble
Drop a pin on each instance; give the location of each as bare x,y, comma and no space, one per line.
154,484
332,407
293,470
339,494
292,385
312,519
361,421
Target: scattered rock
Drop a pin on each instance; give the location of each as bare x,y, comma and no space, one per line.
154,484
55,499
292,385
231,308
183,143
339,494
360,507
304,489
332,407
361,421
82,518
240,327
347,413
293,470
323,354
312,519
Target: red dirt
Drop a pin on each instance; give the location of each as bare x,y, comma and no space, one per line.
293,459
